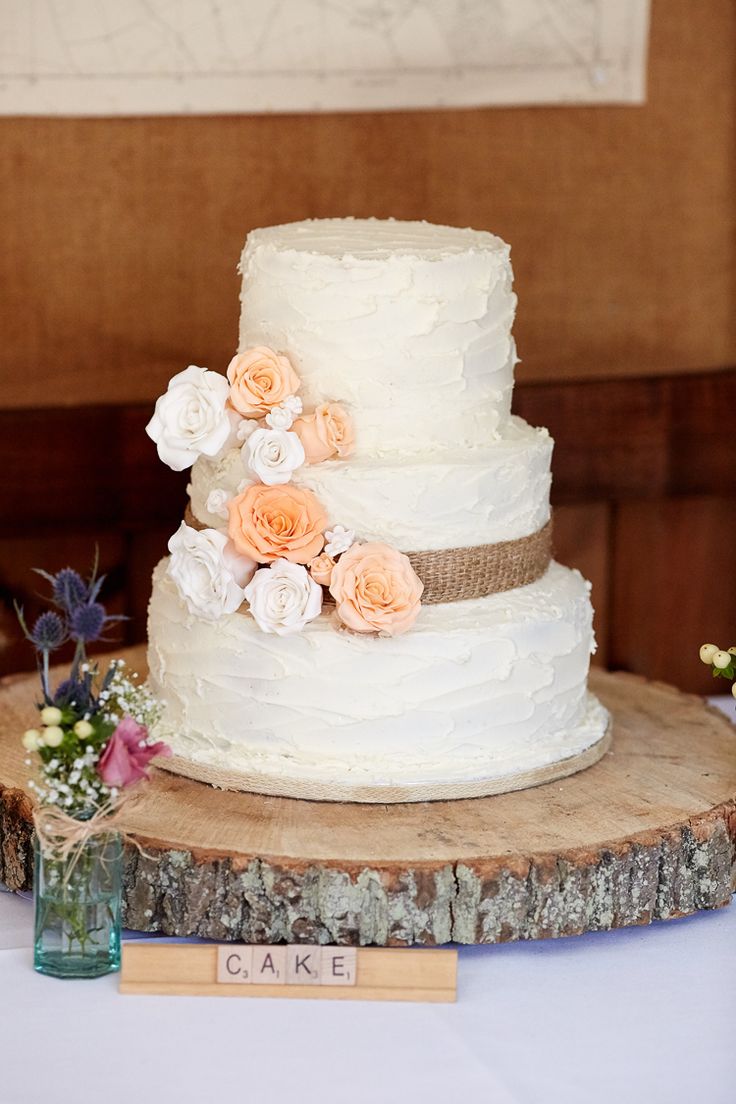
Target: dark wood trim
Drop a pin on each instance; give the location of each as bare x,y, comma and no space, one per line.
638,438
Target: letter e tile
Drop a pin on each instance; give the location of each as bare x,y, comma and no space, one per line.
303,964
339,966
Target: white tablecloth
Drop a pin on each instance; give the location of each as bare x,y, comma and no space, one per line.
640,1014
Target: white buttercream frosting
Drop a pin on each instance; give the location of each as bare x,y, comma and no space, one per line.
493,494
498,680
407,324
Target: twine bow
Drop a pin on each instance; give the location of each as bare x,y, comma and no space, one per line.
64,837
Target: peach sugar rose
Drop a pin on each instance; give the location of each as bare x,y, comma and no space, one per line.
321,569
328,432
259,380
269,523
376,590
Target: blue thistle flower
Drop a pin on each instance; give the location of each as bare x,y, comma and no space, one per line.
69,589
73,691
87,622
49,632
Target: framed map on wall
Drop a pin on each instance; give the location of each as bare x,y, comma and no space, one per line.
163,57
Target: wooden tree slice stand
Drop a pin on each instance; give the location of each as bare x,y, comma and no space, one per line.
647,833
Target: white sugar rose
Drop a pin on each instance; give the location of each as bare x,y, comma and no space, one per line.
273,455
209,574
191,419
338,540
283,598
217,501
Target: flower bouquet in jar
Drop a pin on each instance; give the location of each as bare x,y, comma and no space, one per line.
92,744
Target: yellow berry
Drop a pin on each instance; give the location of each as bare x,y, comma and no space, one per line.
733,689
707,652
31,739
53,736
83,729
721,660
50,715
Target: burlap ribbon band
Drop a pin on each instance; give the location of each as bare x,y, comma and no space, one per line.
455,574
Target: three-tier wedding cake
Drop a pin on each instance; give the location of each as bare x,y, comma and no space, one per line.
361,602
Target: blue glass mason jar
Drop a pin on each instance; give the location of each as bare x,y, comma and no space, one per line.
77,908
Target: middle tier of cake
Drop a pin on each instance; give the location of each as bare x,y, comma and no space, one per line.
479,496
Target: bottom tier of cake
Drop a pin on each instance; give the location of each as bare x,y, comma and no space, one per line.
481,696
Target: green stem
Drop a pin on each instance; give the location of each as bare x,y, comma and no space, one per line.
45,676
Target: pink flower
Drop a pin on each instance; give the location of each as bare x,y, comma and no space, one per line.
127,755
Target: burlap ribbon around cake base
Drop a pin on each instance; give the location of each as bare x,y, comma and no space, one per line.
456,574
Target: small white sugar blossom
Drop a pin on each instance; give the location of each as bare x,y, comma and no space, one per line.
217,501
280,417
338,540
293,404
244,430
208,572
273,455
283,598
191,418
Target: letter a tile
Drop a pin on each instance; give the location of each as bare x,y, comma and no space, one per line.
269,965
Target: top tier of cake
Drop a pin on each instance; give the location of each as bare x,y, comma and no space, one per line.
407,323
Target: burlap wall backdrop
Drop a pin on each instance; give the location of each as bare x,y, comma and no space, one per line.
121,236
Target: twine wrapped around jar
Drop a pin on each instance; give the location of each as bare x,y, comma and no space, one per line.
64,837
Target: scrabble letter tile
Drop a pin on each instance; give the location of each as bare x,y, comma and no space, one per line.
234,964
339,966
303,964
269,965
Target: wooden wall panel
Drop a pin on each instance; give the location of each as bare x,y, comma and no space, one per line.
120,237
672,587
18,582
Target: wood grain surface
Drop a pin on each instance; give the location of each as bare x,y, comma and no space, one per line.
647,833
398,974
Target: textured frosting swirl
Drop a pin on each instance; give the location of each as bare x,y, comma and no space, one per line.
493,494
407,324
501,677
